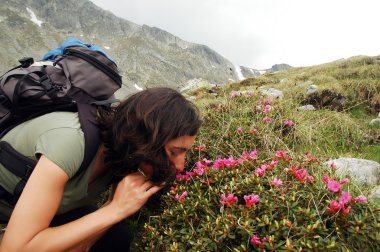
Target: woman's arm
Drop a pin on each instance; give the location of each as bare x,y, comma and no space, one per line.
28,228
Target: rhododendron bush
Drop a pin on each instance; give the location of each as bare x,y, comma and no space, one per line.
248,189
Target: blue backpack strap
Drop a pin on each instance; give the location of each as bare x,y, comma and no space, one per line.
51,55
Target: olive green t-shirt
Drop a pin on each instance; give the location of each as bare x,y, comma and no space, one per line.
59,137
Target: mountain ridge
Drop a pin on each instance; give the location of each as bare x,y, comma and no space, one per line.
147,56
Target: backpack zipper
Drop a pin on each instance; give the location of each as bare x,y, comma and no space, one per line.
95,62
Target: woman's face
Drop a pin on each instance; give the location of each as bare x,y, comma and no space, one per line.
176,149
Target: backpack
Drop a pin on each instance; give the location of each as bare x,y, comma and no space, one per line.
73,77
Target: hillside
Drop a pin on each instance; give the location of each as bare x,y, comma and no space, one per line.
147,56
258,178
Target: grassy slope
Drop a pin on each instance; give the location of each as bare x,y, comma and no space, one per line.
325,132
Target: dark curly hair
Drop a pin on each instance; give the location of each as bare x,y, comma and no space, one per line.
139,127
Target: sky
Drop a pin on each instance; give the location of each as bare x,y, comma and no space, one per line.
261,33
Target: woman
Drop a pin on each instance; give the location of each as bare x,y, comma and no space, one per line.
144,143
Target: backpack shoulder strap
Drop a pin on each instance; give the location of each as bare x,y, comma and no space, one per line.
87,119
23,166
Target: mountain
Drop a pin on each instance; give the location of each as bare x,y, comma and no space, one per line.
246,72
147,56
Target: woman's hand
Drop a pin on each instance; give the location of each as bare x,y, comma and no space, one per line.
131,194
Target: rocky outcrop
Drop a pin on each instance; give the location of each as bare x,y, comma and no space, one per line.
147,56
361,170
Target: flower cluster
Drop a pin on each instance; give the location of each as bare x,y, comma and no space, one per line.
345,200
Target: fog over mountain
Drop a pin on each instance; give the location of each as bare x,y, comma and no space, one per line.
147,56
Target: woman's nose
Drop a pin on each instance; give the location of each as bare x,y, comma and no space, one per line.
180,163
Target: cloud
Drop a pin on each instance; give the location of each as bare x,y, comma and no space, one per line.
258,33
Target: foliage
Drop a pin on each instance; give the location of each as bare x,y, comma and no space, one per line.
256,180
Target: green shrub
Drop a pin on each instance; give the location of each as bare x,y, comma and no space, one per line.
206,208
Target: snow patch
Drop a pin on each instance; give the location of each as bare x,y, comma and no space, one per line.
138,87
81,35
107,47
262,71
239,73
34,18
213,66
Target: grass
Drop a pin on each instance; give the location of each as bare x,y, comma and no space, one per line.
324,134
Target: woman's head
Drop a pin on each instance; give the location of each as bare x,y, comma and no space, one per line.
142,128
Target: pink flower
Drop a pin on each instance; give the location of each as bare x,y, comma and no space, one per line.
239,130
345,211
266,101
310,158
361,199
334,207
199,171
250,93
234,94
301,175
288,123
333,166
333,186
282,155
259,172
272,164
206,182
266,108
345,198
254,131
256,241
344,181
219,164
183,195
231,162
207,162
276,182
251,200
251,156
267,119
229,200
200,147
187,176
310,179
222,163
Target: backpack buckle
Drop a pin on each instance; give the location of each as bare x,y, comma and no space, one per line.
26,62
45,81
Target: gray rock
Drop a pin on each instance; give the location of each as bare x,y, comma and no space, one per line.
375,122
306,108
375,193
362,170
312,89
271,92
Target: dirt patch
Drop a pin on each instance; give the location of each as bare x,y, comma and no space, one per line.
326,99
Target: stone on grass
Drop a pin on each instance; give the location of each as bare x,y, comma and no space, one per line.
272,93
361,170
375,122
308,107
312,89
